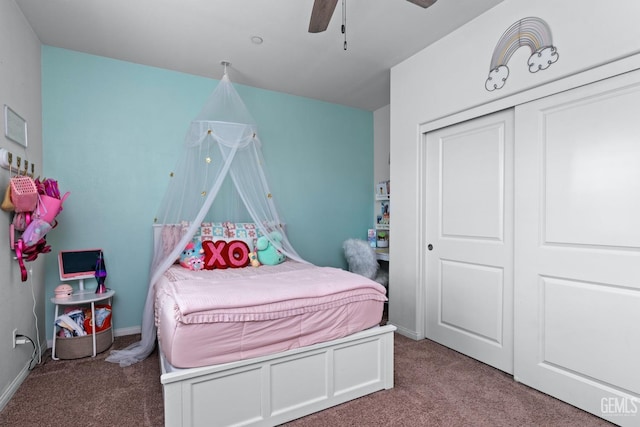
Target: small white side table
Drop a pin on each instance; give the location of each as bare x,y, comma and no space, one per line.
78,298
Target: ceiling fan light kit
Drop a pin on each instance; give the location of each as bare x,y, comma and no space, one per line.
225,64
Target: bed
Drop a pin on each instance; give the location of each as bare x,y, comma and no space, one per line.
266,345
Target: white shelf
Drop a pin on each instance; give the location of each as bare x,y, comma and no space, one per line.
83,297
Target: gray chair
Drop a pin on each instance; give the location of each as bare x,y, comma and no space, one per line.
362,260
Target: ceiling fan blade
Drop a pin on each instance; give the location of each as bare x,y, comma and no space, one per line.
321,15
423,3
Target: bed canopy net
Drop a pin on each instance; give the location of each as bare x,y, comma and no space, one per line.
221,160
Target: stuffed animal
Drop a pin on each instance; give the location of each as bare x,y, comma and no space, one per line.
192,257
253,258
268,253
196,264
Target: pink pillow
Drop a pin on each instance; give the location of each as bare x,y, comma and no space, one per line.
245,231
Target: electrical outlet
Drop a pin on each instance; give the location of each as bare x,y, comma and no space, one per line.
13,338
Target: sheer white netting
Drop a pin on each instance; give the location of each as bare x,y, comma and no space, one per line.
222,161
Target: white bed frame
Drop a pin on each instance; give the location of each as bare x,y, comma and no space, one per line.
271,390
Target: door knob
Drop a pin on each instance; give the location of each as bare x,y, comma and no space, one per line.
430,246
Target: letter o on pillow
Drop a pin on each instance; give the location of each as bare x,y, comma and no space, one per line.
237,254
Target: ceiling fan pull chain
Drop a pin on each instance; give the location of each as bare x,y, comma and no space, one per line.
344,22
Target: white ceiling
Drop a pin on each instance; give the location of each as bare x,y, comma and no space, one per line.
194,36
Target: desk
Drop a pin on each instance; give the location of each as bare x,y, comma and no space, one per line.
382,254
79,298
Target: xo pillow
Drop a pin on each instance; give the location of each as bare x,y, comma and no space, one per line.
223,249
225,244
225,254
218,249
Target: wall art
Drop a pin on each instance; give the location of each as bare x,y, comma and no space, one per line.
15,127
531,32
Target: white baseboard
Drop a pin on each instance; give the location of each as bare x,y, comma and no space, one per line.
406,332
13,387
127,331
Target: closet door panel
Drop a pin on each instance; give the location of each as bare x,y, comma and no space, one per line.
479,155
478,289
577,247
591,170
469,227
570,306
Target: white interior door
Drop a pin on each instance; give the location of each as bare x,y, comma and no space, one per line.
469,210
577,247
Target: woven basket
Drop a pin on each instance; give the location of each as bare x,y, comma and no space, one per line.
77,347
24,193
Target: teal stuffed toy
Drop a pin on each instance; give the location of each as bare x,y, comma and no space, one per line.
269,254
192,257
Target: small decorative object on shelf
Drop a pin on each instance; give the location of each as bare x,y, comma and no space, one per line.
383,189
385,212
383,217
382,239
371,237
63,291
101,274
382,203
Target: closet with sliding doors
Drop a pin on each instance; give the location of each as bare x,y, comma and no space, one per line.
532,233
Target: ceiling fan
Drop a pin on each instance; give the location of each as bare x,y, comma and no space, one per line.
323,10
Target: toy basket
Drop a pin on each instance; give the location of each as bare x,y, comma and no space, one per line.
77,347
24,193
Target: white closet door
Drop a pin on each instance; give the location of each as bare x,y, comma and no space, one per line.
469,212
577,247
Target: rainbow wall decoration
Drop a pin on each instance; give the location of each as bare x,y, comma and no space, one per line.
531,32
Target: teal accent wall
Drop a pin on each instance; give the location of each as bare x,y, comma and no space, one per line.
112,131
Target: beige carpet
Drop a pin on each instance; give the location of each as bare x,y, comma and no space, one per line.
434,386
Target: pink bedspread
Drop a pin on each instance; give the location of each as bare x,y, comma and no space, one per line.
277,292
265,310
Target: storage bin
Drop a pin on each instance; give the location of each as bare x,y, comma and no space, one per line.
77,347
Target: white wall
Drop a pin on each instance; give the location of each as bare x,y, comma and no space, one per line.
449,77
381,148
381,135
21,90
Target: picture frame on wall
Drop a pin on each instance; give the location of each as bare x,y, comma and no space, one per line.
381,190
15,127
